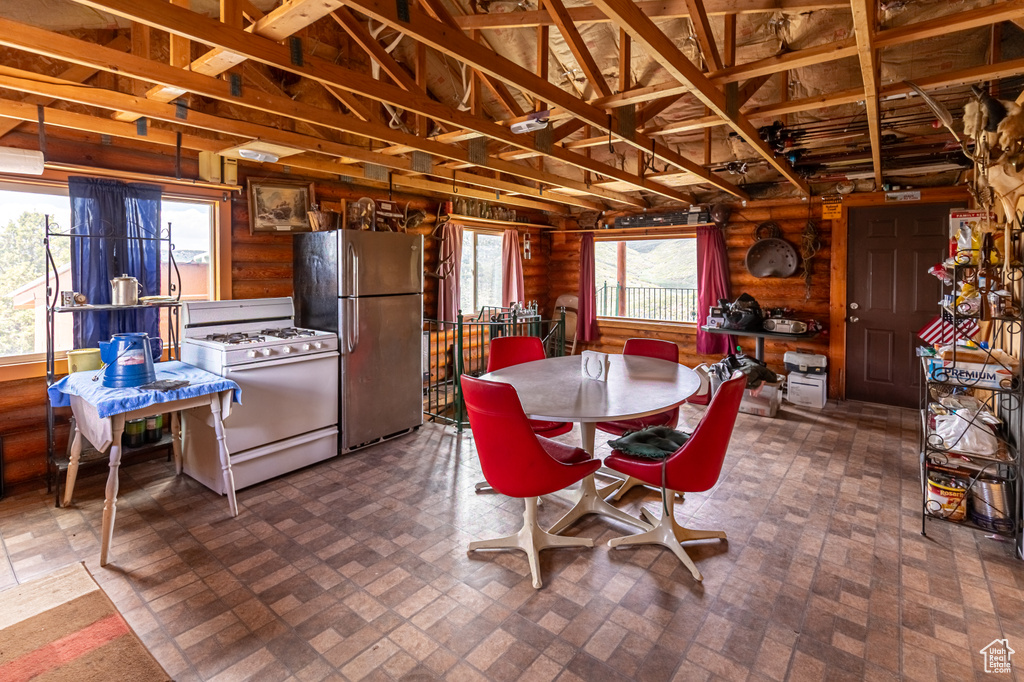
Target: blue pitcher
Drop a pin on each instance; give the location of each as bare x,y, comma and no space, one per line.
128,360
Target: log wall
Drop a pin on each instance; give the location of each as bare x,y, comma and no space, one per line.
770,292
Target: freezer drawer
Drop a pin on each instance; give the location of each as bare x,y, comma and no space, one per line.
381,374
379,263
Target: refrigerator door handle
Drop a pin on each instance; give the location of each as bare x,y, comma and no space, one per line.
354,329
353,257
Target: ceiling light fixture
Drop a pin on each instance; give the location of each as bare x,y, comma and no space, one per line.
256,155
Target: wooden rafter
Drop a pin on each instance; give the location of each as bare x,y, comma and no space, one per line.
15,79
864,25
661,48
71,49
211,32
656,9
278,25
462,48
571,34
75,73
360,34
496,86
705,37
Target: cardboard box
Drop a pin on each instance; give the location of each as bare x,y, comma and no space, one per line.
808,390
976,374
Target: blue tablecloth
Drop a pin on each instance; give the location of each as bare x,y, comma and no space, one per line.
110,401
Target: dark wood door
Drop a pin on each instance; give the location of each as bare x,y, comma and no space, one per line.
890,297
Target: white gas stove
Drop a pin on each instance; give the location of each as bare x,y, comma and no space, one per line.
289,379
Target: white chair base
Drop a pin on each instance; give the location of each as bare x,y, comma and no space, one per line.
669,534
631,483
531,538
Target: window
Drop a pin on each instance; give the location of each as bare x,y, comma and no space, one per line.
23,263
481,271
651,279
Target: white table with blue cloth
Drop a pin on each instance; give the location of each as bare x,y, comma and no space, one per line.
100,414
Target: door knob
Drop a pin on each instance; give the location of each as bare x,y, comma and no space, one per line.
854,306
854,319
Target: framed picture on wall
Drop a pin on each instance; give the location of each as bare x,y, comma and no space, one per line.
279,205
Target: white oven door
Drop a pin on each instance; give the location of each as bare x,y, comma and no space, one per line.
282,398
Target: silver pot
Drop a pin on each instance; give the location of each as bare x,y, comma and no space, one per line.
991,505
125,290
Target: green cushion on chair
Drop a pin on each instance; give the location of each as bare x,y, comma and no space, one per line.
654,442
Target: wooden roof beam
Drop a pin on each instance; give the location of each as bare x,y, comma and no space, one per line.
209,31
75,73
459,46
359,33
496,86
705,38
864,22
285,20
24,81
656,9
664,51
67,48
571,34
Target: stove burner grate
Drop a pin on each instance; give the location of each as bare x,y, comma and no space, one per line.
287,332
235,339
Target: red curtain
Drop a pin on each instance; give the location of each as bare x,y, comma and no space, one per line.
712,284
586,320
512,286
448,290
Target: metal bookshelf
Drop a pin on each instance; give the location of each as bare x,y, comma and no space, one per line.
58,463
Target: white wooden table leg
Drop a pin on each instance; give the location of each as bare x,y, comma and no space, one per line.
176,440
225,456
76,454
110,503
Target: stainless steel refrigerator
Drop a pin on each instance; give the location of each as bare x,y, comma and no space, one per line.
367,287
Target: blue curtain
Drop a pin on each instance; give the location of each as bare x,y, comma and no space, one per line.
120,222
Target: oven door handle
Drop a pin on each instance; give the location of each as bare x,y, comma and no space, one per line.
275,363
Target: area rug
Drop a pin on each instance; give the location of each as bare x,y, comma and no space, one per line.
64,627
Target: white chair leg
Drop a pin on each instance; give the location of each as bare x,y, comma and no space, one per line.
531,538
630,483
669,534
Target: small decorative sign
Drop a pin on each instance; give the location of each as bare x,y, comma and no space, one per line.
908,195
595,365
831,208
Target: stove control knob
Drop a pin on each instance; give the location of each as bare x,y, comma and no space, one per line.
265,352
318,345
251,354
286,350
306,346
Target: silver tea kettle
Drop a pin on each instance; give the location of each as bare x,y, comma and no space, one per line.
124,290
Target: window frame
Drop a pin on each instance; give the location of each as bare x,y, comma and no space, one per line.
475,231
33,365
642,234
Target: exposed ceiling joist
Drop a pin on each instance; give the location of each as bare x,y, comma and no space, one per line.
459,46
656,9
864,25
664,51
705,36
210,31
571,34
76,73
277,25
21,81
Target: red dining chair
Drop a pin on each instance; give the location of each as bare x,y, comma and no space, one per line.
651,348
515,350
519,463
694,467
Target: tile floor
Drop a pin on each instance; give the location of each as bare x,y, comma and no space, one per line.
356,569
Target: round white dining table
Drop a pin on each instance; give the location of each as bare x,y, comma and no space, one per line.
554,389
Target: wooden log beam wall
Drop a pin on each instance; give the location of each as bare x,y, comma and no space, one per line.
792,215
